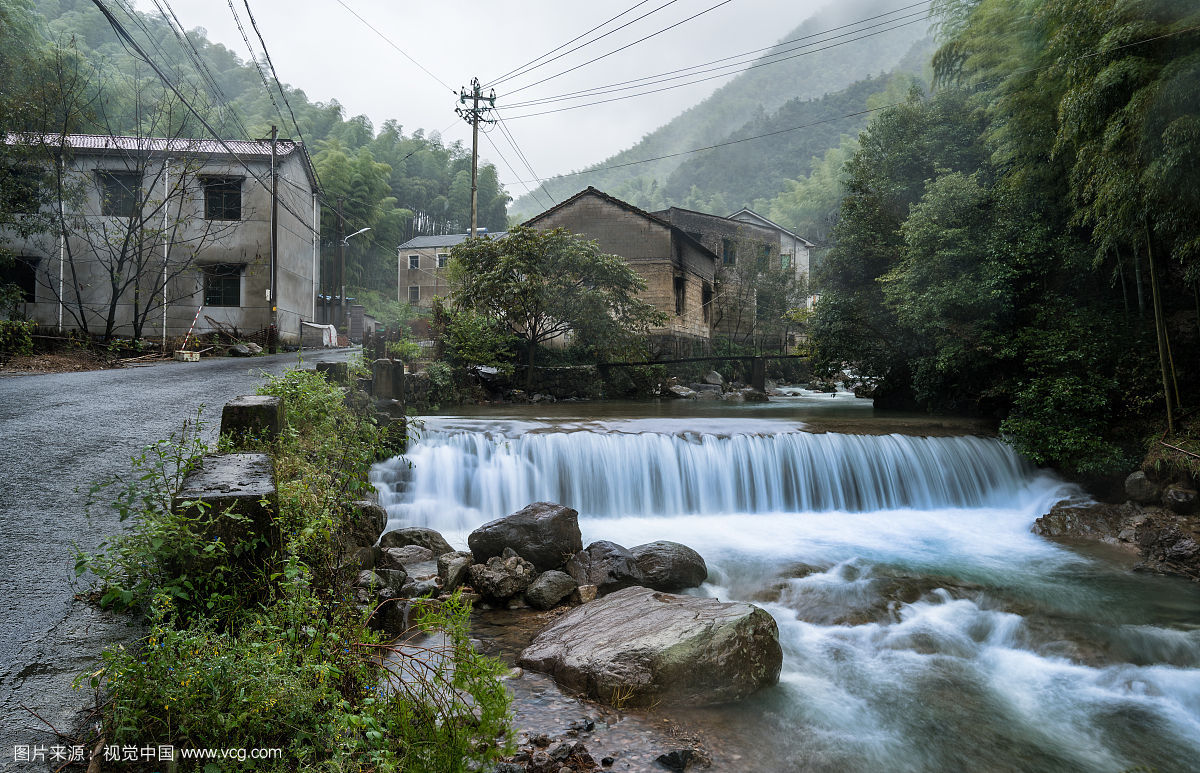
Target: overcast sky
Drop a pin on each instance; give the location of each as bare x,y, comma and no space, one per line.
324,50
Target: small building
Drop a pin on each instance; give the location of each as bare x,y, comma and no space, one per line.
794,250
421,268
680,271
159,232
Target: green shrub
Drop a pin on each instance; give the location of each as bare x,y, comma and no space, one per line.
16,338
404,350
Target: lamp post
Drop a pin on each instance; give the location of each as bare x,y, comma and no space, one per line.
342,274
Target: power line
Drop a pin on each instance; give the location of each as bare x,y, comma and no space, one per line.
687,72
282,92
393,45
520,153
525,68
981,84
714,77
531,191
126,38
622,48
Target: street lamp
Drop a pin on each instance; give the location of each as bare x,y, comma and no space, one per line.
342,271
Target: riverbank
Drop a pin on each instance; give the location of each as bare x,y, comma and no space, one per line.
921,589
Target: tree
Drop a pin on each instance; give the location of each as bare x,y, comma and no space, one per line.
546,284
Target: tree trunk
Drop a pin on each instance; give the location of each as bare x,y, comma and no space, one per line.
529,365
1160,334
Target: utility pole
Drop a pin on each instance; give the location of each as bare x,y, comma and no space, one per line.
340,240
273,331
474,116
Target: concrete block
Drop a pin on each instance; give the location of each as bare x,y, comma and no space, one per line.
243,484
336,372
252,416
388,380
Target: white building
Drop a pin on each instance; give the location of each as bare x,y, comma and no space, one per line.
156,230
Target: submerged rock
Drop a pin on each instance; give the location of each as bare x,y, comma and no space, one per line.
543,533
669,566
606,565
639,646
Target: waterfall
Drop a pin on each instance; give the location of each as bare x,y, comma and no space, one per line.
452,478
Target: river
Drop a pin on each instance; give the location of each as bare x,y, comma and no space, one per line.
924,627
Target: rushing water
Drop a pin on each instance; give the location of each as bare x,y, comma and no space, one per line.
924,627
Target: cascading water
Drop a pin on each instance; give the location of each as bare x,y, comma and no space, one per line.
924,627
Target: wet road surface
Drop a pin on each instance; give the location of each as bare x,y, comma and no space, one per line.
58,434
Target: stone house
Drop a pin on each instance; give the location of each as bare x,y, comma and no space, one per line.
156,230
680,271
421,268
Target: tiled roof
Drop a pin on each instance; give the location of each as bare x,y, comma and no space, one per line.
770,224
104,142
445,240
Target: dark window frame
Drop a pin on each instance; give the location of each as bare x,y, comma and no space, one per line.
442,259
222,197
22,272
222,284
728,252
706,301
120,192
413,301
414,262
680,295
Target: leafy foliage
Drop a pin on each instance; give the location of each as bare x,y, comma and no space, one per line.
545,284
286,660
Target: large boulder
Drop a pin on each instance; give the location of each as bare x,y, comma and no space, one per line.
500,578
416,535
669,566
1141,489
416,561
549,589
639,646
606,565
363,523
453,568
543,533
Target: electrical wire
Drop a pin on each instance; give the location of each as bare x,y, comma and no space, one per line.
622,48
687,72
393,45
714,77
127,41
520,153
525,68
530,191
977,86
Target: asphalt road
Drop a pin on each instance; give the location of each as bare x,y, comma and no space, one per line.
58,434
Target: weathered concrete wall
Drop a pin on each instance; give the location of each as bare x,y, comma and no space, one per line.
244,242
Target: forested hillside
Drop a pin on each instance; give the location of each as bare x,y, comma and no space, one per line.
399,184
1024,243
752,100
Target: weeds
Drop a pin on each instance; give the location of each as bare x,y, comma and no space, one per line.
280,656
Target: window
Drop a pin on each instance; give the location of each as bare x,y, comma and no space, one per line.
414,262
785,261
728,253
414,294
442,258
680,284
119,193
764,256
706,296
222,198
223,284
21,272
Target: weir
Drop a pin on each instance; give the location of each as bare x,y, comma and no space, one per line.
923,626
620,474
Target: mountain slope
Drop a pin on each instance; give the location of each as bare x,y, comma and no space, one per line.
753,95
